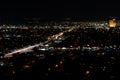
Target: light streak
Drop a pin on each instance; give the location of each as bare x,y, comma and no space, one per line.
37,45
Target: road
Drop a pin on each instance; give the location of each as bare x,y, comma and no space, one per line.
50,38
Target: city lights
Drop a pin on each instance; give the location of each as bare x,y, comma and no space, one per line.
78,50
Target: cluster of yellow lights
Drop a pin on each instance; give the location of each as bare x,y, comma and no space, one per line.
13,72
112,23
56,65
49,69
27,66
87,72
61,62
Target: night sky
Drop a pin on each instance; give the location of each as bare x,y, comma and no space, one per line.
86,9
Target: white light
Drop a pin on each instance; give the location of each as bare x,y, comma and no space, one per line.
43,49
63,48
46,45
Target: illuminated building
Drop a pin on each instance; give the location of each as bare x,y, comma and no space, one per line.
112,23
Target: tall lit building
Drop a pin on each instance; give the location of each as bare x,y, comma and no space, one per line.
112,23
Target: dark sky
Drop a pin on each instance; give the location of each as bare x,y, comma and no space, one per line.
60,9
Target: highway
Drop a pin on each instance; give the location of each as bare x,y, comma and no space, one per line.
50,38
